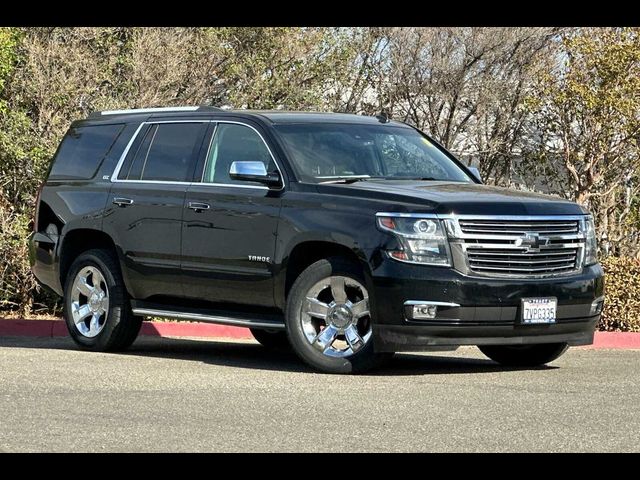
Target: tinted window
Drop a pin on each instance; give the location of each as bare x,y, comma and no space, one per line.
82,151
166,152
323,153
234,143
135,161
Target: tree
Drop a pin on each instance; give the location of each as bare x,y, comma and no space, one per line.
464,86
587,112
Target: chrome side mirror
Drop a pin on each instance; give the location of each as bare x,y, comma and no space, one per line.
253,172
476,173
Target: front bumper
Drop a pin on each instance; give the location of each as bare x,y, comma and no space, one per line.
488,311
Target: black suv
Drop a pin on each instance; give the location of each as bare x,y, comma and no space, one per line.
344,236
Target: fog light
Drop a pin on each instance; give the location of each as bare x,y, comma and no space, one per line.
596,307
424,312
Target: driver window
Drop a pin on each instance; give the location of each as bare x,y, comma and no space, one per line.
234,143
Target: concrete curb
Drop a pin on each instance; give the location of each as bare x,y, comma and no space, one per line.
57,328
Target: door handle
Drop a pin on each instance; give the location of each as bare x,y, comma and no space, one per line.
122,202
198,206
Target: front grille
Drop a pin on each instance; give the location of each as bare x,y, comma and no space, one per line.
521,247
519,227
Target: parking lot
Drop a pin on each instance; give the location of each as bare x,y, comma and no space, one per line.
193,395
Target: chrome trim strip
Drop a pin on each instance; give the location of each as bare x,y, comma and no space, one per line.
476,269
506,246
509,236
199,317
149,110
515,217
258,187
429,302
157,182
116,171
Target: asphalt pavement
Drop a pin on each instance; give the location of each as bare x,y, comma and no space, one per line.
214,396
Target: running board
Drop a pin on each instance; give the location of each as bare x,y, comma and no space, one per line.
240,321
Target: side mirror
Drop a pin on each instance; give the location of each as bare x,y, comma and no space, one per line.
476,173
254,172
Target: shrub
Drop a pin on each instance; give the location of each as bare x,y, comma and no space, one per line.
622,295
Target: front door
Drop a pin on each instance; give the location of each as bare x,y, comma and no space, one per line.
229,227
146,205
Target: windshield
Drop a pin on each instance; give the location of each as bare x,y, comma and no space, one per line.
334,152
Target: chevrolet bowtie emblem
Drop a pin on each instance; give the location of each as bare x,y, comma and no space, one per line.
532,242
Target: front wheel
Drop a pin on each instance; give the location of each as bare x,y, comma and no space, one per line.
524,355
328,319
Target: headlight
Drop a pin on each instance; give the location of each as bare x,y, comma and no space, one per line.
590,242
423,240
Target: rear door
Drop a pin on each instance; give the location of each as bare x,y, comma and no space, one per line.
146,204
230,226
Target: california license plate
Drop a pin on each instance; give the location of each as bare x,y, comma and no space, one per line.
539,310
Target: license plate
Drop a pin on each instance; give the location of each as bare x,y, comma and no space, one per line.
539,310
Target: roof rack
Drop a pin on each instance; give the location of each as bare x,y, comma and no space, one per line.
201,108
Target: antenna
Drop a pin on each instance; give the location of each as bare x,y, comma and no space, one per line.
383,117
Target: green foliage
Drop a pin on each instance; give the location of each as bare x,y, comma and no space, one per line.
587,116
8,41
622,302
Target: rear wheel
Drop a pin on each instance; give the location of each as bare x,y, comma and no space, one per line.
271,339
524,355
328,319
96,304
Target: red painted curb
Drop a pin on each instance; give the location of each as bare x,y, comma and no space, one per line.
192,329
57,328
616,340
27,328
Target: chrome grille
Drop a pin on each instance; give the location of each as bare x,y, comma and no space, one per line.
518,227
522,247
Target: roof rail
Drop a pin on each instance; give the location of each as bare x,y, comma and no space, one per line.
202,108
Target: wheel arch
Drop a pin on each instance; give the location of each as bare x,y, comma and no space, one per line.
308,251
80,240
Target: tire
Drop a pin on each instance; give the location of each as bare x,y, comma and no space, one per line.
98,325
524,355
271,339
339,350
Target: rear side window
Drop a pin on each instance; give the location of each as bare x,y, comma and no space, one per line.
82,151
166,152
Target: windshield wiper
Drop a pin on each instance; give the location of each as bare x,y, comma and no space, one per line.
412,178
349,179
360,178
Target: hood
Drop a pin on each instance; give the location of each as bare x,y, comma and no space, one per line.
457,197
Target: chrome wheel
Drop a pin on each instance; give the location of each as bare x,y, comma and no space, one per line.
89,301
335,316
